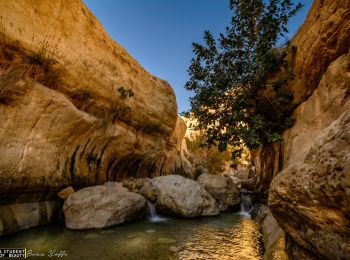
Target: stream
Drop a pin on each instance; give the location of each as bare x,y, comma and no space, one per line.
228,236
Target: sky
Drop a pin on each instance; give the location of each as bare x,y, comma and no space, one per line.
159,33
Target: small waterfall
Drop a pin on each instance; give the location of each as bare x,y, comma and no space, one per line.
152,214
246,205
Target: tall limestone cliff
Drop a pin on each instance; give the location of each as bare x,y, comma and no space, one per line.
310,197
75,109
323,38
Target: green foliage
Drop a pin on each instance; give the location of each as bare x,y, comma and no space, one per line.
119,110
125,93
235,100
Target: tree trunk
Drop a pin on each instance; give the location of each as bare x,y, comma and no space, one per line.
267,162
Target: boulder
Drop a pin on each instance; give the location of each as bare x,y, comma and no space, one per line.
16,217
178,196
148,190
243,174
221,188
249,184
236,181
310,199
103,206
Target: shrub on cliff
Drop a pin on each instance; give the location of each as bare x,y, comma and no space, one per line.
239,79
16,64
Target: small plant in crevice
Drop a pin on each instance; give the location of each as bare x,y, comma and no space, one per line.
46,59
125,93
118,109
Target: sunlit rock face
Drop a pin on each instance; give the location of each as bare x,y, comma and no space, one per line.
81,130
321,68
327,103
324,36
307,198
319,72
48,139
311,199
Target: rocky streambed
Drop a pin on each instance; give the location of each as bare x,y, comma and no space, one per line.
118,220
114,203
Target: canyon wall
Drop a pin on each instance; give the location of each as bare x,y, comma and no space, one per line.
309,198
321,66
322,39
75,109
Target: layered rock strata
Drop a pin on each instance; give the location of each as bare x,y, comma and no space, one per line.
75,108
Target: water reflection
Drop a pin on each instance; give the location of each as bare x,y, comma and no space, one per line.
240,241
229,236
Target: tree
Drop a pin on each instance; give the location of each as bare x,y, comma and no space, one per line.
239,80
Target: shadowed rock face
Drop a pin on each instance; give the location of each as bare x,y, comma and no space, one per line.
221,188
82,131
26,215
311,199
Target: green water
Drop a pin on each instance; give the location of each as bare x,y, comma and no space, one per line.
228,236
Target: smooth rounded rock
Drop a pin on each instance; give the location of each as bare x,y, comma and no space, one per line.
103,206
183,197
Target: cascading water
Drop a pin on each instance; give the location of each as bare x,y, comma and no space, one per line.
152,214
246,205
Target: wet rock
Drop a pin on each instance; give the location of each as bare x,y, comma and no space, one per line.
15,217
